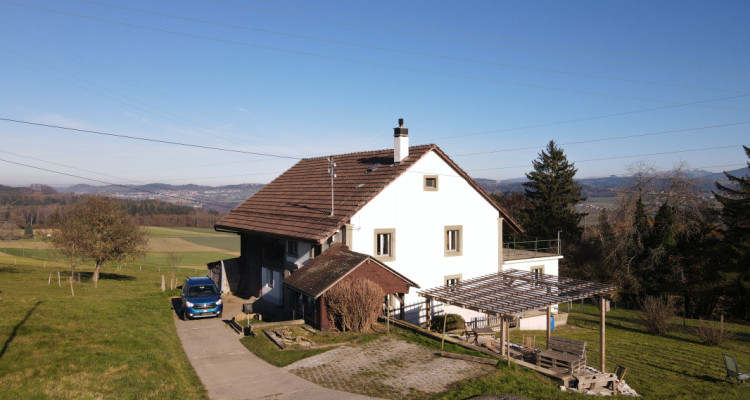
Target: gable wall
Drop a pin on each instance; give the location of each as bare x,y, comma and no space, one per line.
419,218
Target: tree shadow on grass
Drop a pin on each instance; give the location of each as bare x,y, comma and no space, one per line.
15,329
10,270
705,378
104,275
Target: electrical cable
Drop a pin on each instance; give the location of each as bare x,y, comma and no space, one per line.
618,157
610,138
355,61
402,51
148,139
111,184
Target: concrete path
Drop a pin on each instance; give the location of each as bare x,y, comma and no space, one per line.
229,371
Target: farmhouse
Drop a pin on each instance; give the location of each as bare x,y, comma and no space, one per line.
409,209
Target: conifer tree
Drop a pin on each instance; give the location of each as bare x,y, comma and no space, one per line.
553,195
735,199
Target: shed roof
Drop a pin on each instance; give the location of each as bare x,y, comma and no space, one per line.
513,292
297,204
327,269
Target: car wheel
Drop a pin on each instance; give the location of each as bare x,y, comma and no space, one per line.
184,314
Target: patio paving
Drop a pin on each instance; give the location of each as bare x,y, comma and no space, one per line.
386,367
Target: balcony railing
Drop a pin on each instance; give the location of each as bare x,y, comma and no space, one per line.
513,250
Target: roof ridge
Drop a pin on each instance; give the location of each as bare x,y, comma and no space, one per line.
367,152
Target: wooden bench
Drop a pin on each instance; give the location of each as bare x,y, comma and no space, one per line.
564,355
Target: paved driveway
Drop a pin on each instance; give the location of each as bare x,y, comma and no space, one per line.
229,371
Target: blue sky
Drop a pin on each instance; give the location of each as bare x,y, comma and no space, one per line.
491,82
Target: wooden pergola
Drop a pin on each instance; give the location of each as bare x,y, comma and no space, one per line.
513,293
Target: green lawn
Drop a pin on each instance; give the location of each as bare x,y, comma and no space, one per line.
191,258
228,243
675,366
160,231
117,341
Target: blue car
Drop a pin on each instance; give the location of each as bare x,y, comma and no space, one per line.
200,298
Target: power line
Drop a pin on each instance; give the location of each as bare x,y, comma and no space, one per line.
610,138
403,51
148,139
111,184
618,157
494,45
355,61
588,118
150,89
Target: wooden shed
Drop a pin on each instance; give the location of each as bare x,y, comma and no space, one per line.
337,264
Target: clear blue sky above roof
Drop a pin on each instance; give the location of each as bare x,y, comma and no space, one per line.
302,79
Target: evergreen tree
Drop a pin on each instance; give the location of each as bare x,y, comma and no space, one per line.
553,195
735,199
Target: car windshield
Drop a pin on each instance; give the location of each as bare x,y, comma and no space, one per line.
202,291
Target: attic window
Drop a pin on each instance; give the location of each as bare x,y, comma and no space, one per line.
430,183
373,167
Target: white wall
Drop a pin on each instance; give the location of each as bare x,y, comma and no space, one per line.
419,218
271,285
550,264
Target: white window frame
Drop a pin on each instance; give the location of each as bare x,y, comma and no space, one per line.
453,240
536,273
430,188
451,280
292,248
384,248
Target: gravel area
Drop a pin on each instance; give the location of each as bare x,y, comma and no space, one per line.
386,367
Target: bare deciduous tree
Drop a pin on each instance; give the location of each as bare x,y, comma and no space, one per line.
95,229
354,304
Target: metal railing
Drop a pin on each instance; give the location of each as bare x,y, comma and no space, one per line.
531,249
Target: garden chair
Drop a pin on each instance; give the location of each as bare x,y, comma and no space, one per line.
620,371
528,349
733,372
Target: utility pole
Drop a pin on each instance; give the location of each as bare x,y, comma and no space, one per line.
332,171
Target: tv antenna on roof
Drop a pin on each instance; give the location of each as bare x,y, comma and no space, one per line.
332,171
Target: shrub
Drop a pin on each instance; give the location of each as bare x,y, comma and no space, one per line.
711,334
354,304
454,321
656,314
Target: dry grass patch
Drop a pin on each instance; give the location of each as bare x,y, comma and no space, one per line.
166,244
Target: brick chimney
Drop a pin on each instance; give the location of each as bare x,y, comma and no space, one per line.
400,142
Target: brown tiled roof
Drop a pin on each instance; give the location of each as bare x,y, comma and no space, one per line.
297,204
327,269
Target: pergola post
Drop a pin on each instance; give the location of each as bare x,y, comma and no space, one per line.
602,346
402,308
506,340
428,311
549,325
503,330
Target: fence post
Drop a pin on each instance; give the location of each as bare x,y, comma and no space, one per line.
162,283
58,279
49,280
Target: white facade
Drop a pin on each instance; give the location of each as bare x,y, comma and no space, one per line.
419,217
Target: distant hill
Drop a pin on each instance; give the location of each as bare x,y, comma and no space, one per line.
608,186
219,198
225,198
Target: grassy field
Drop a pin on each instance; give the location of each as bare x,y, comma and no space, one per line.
117,341
674,366
197,246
